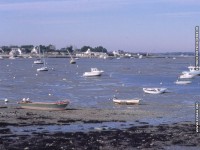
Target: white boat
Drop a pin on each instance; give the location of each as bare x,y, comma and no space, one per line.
187,75
72,61
38,61
42,69
154,90
183,82
93,72
194,70
127,101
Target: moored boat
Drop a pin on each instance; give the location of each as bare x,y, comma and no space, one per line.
183,82
72,61
60,105
93,72
187,75
194,70
39,61
127,101
42,69
154,90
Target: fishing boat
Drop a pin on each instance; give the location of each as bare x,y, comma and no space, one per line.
27,104
93,72
154,90
126,101
183,82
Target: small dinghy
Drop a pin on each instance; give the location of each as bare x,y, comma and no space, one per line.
126,101
154,90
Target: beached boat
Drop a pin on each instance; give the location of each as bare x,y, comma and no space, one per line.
60,105
154,90
93,72
126,101
183,82
186,75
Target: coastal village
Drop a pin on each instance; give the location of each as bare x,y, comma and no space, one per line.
51,51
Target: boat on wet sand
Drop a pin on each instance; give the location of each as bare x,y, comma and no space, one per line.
154,90
60,105
126,101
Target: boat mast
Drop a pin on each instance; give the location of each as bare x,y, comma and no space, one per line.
70,54
197,48
39,52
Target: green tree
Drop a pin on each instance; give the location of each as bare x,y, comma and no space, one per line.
100,49
85,48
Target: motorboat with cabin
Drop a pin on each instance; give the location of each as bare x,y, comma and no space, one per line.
93,72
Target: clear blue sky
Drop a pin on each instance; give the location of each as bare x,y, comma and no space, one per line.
130,25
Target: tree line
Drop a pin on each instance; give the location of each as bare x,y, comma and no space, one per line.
51,48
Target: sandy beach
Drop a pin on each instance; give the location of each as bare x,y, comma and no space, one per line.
180,135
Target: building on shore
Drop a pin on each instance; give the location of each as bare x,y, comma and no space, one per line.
15,52
91,54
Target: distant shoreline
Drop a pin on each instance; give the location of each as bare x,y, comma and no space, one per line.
111,57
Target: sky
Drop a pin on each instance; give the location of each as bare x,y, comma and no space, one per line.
129,25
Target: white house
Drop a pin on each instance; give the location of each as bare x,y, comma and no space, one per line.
15,52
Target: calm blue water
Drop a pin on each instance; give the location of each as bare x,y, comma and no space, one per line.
124,78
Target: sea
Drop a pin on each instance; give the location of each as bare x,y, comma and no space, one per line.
123,78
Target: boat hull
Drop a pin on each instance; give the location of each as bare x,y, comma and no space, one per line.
43,106
154,90
183,82
43,69
126,102
38,62
91,74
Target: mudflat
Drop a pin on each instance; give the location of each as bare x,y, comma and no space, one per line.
180,135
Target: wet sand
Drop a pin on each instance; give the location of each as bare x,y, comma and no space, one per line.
165,136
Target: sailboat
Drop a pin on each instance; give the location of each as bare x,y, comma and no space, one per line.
38,61
44,68
72,61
